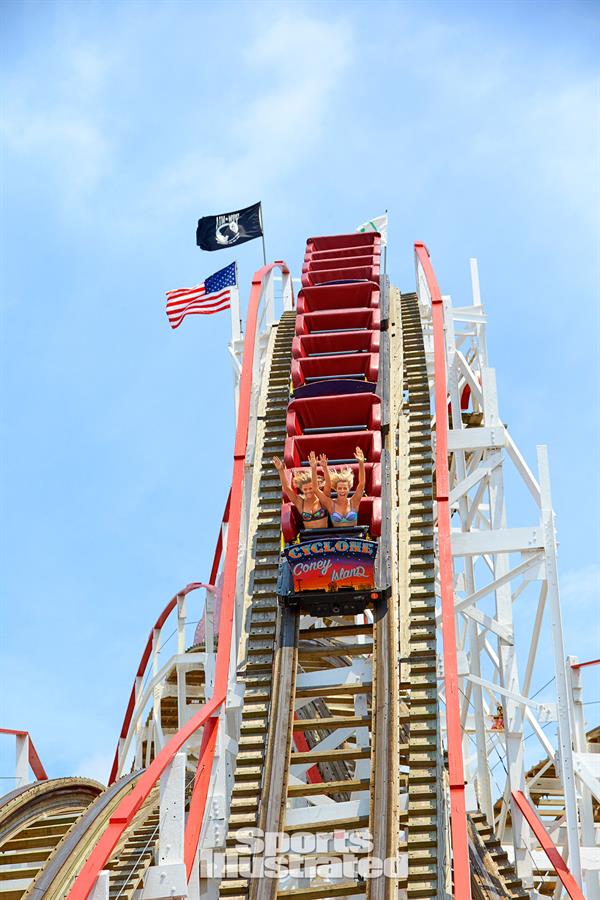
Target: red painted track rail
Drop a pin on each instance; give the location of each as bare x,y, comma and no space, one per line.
458,816
583,665
33,758
129,806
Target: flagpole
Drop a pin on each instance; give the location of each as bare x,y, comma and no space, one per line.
236,345
236,314
262,229
385,252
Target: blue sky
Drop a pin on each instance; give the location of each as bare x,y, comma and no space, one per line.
475,124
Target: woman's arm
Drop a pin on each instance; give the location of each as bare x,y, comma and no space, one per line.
325,500
326,474
287,490
362,477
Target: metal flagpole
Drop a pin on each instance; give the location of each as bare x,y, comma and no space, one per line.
385,250
262,228
237,343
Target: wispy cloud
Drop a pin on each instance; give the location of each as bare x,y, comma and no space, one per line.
299,60
53,125
96,765
581,588
580,602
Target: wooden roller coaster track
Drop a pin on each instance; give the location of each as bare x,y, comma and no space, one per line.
340,727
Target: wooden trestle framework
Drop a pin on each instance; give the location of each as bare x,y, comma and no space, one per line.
339,728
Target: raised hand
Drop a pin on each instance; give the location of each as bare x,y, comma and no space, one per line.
323,461
359,455
278,464
312,459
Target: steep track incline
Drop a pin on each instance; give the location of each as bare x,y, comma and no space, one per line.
261,620
423,744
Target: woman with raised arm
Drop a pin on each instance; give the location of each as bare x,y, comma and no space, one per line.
306,502
344,509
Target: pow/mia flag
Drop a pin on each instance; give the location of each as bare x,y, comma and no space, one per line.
229,229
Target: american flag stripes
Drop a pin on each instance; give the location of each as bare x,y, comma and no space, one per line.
207,298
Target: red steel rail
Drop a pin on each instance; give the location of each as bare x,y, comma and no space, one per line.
582,665
458,815
32,755
129,806
547,845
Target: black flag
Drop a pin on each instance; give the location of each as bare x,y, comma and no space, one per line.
229,229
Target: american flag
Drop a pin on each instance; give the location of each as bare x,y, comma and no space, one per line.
207,298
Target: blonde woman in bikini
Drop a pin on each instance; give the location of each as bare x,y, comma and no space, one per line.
304,498
344,510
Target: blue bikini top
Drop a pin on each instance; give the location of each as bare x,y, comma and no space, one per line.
350,518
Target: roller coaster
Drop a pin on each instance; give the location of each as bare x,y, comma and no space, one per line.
351,715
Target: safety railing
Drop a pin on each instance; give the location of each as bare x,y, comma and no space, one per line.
207,715
427,282
26,757
148,677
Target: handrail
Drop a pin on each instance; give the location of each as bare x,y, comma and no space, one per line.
548,846
129,806
32,754
458,814
141,669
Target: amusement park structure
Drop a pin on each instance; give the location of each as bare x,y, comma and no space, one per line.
371,734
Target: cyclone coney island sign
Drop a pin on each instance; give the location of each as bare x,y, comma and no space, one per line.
332,564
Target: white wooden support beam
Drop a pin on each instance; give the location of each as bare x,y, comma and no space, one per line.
269,295
172,811
469,315
214,833
287,292
523,469
586,809
530,561
496,540
22,759
167,880
471,378
499,564
363,737
327,815
494,688
330,742
482,471
587,767
181,617
477,438
504,632
194,882
100,891
565,739
181,671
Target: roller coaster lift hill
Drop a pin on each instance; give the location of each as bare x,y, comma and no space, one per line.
365,685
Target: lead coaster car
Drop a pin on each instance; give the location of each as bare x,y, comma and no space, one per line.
330,572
